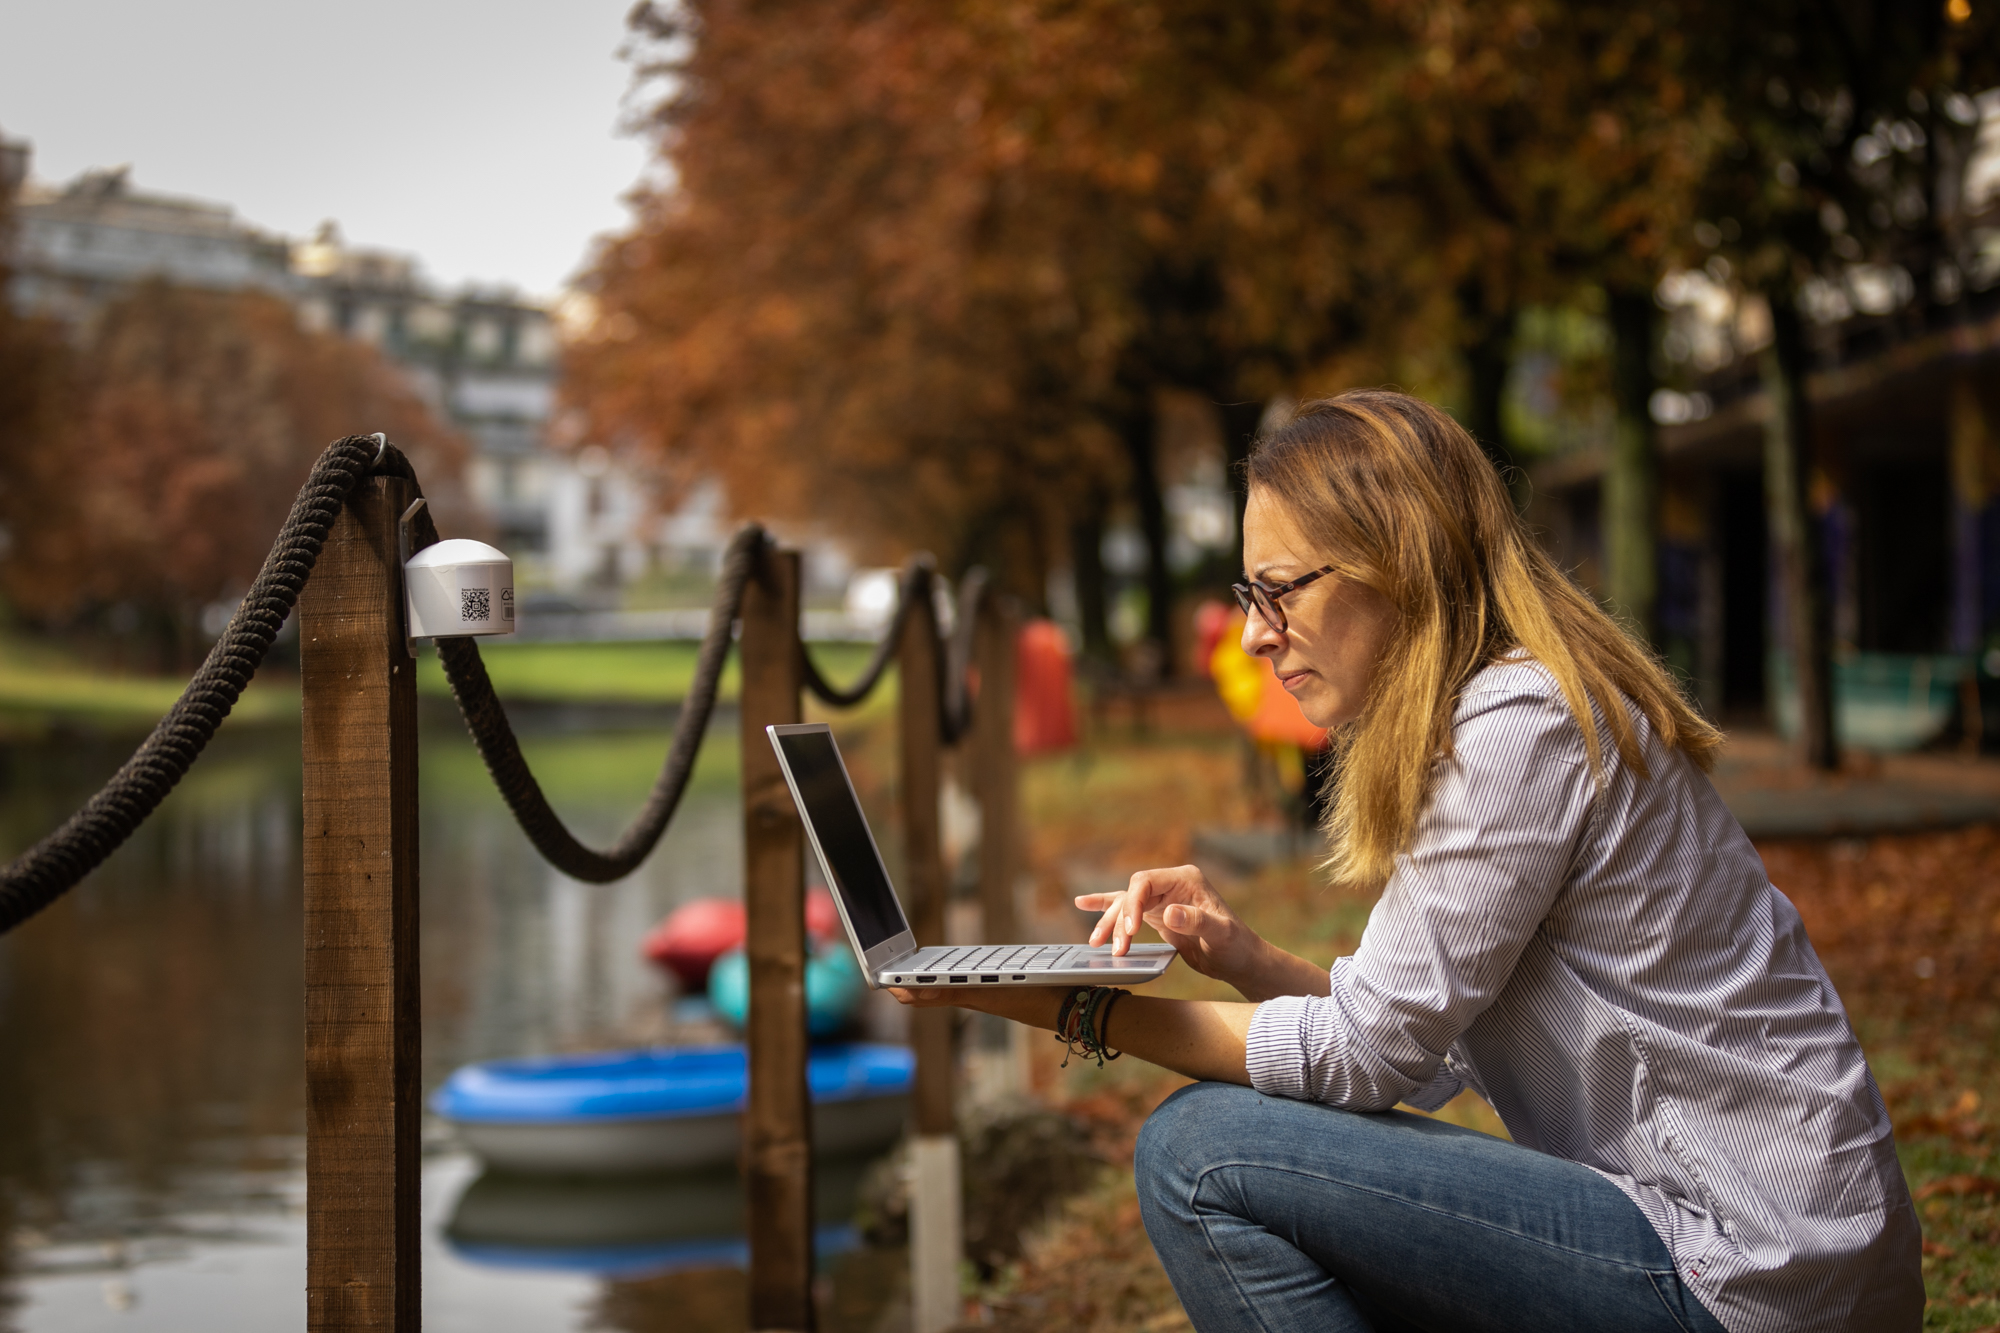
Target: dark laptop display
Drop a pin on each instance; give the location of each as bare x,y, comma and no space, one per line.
844,839
876,927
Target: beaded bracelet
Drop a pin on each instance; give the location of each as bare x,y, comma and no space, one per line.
1080,1023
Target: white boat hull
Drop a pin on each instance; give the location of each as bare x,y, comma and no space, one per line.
668,1143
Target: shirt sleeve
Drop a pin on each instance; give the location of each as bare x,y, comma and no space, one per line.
1489,856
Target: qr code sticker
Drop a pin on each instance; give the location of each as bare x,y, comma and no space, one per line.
475,604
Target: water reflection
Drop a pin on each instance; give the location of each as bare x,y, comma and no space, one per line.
631,1227
151,1077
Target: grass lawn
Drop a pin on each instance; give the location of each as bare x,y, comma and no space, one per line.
1908,927
648,672
42,686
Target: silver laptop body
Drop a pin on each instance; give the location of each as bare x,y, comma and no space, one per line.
873,916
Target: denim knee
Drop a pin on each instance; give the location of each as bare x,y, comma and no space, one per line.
1184,1136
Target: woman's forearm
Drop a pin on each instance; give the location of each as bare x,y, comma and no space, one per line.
1278,972
1202,1039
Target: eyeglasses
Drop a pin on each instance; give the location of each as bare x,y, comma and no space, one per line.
1262,597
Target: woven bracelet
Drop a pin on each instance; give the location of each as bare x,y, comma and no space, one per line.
1080,1022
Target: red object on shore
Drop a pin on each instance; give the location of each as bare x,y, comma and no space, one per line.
1044,716
1212,620
693,936
822,917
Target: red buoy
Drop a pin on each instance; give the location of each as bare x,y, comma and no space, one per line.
1044,719
693,936
822,917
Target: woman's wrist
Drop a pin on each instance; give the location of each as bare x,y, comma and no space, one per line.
1275,972
1032,1006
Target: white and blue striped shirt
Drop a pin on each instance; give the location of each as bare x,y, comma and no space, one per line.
1614,972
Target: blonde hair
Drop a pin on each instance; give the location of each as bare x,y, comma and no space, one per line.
1399,498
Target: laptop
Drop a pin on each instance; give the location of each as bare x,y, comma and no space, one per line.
873,916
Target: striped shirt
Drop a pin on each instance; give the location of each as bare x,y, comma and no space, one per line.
1613,971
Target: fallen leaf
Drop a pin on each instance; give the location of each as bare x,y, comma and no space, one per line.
1939,1250
1960,1186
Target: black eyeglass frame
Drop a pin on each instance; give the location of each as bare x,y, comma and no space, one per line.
1262,597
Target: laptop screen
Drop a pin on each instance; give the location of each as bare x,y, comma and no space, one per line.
842,831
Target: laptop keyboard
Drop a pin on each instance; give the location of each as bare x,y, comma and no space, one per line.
984,958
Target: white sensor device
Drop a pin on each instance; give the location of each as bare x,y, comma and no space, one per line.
459,587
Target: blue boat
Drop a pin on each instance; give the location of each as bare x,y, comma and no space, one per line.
666,1109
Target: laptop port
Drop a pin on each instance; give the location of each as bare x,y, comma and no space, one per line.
989,978
925,981
957,979
1020,976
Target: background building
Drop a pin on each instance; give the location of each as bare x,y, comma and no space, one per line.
486,359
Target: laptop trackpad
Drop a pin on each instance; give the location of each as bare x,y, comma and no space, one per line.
1143,957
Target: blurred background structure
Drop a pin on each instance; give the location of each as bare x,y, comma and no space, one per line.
1716,285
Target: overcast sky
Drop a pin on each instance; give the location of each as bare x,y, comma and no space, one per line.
481,138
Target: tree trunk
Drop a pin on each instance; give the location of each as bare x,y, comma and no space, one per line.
1487,359
1086,554
1800,556
1137,429
1631,518
1240,421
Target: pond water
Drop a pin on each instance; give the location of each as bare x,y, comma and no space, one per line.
151,1071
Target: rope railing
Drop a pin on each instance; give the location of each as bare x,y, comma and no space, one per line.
954,664
82,843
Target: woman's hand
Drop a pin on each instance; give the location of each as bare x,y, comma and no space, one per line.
1211,939
1189,915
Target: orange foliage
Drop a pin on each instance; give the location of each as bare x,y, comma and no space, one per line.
916,267
1908,925
192,418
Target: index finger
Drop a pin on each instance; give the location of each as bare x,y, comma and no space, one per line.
1128,911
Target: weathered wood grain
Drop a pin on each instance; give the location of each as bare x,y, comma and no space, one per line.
777,1125
363,1043
923,886
995,780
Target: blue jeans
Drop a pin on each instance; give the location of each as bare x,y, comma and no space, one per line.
1275,1215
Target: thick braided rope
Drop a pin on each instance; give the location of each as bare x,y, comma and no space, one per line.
487,721
954,664
52,866
914,583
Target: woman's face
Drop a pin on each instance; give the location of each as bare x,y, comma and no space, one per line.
1336,628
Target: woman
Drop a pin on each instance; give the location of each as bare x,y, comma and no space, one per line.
1570,923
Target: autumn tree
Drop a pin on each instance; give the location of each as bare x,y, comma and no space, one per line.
831,308
189,421
927,268
34,372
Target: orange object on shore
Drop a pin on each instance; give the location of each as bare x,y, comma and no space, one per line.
1252,694
1044,715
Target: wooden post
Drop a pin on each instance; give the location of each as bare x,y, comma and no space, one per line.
936,1222
996,783
362,1033
777,1126
994,771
